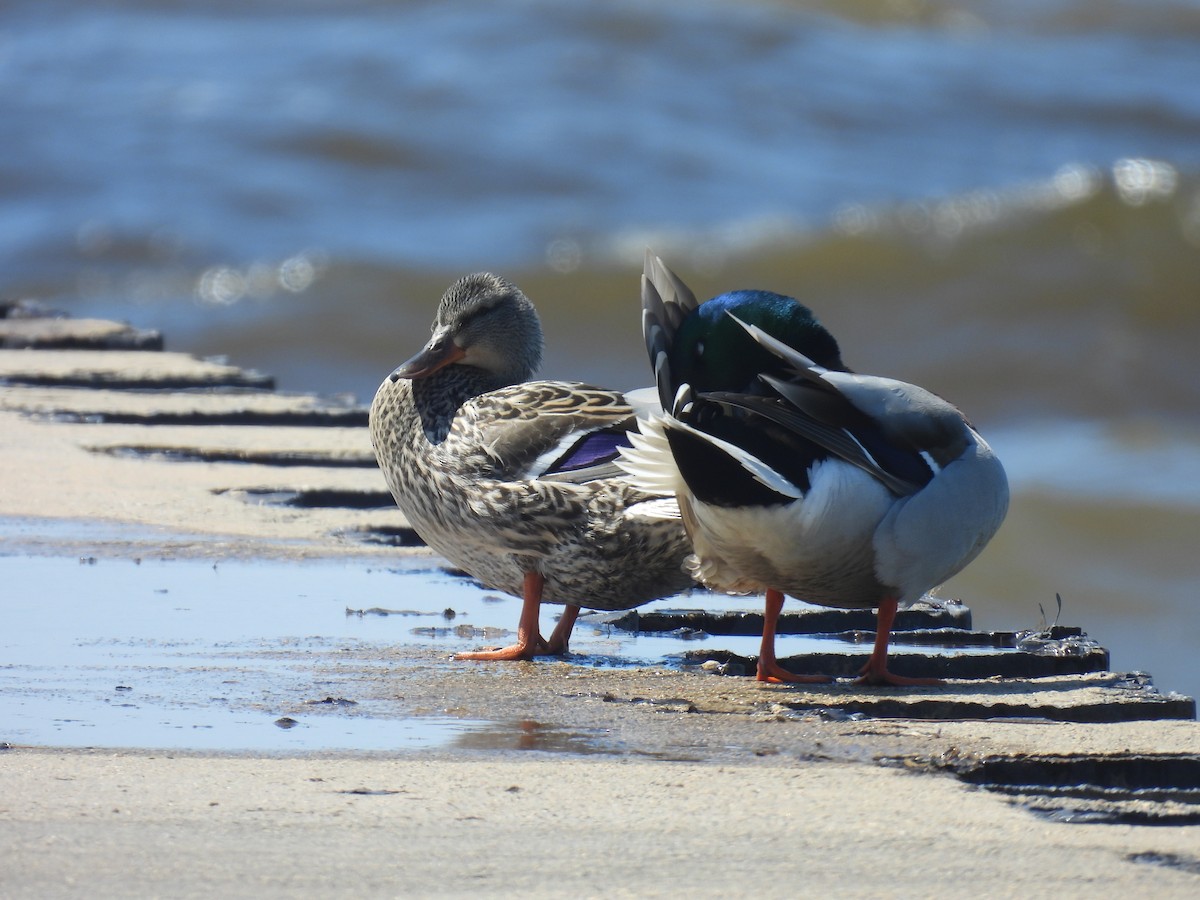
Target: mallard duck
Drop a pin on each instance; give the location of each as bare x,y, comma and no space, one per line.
512,480
796,476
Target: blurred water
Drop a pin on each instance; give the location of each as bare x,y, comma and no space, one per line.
426,135
999,200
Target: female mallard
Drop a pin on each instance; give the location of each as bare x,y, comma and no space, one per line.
513,480
796,476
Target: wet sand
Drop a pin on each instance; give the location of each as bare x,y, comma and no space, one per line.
561,779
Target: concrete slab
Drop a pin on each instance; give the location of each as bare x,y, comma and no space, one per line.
913,663
133,370
268,446
949,613
75,334
62,479
209,407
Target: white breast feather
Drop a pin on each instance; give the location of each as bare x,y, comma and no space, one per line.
748,548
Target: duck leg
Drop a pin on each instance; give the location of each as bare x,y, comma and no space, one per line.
876,670
561,636
529,639
768,669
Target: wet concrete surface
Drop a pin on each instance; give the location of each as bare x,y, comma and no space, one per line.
1111,789
197,654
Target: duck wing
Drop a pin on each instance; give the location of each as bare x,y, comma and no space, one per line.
899,432
838,441
546,430
669,457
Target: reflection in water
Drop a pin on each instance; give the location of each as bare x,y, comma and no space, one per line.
527,734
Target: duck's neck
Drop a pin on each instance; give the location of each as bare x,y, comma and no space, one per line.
437,398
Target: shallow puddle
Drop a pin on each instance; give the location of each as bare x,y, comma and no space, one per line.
201,655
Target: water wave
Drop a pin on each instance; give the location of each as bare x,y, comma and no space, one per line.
1177,18
1069,296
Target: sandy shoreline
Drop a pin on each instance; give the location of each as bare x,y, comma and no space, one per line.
131,824
604,783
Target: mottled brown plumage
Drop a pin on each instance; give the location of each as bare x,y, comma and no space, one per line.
479,460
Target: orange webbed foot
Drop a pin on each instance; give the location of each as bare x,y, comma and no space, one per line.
529,639
773,673
875,672
516,651
879,676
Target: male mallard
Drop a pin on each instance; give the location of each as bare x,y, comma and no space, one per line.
795,475
512,480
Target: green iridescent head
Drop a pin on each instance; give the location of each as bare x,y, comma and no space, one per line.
712,352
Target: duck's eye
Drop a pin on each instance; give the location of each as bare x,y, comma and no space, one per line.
699,349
